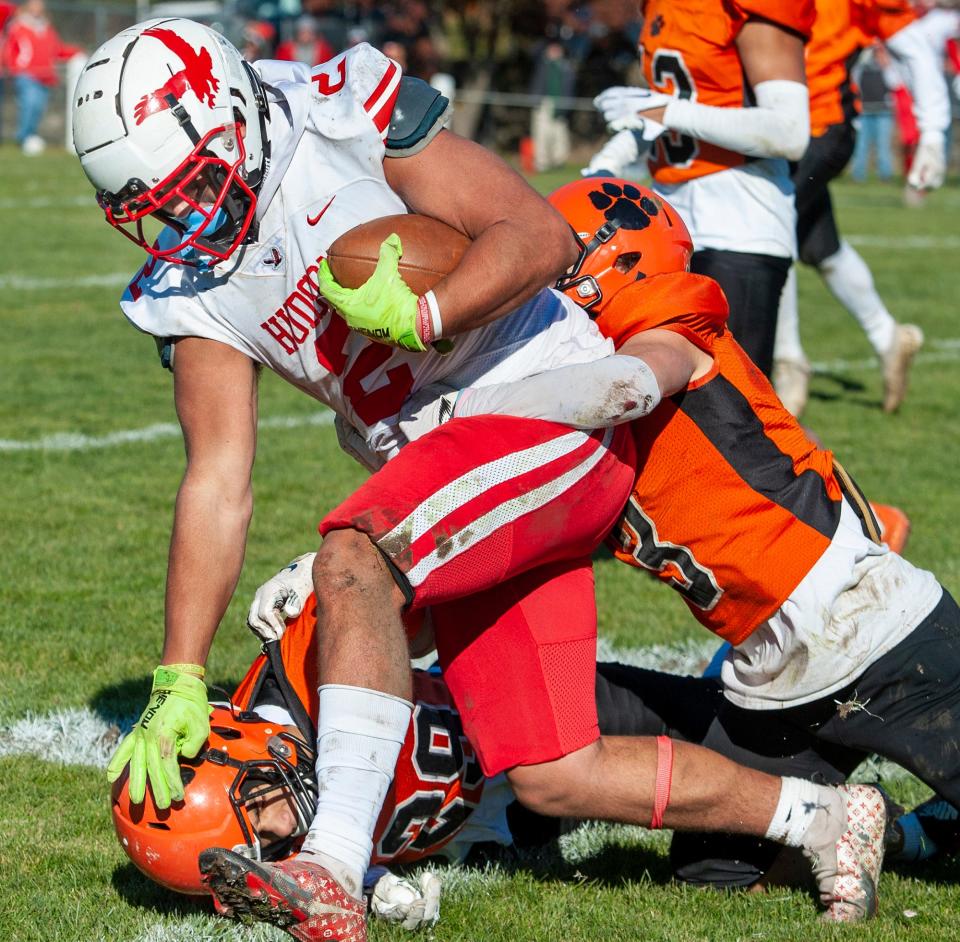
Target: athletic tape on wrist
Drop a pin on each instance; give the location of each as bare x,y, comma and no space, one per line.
664,779
197,669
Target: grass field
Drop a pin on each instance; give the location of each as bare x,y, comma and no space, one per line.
90,461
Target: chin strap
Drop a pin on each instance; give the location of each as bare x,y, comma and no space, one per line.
263,114
664,779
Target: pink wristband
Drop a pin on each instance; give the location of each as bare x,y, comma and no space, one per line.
424,321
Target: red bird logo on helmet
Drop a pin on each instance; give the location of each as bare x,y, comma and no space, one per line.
196,74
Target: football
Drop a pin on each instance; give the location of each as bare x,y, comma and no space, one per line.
431,249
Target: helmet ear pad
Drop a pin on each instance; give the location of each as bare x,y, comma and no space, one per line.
243,757
625,231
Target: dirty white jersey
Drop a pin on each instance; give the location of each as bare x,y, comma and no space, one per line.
327,129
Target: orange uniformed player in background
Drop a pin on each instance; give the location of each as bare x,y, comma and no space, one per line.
726,109
843,28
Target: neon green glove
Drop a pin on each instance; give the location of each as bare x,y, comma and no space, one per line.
383,308
175,722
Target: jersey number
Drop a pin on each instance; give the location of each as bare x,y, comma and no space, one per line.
328,86
671,75
638,536
422,821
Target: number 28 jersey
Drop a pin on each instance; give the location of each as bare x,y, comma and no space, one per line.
438,783
688,48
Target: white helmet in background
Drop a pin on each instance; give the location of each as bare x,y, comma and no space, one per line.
168,119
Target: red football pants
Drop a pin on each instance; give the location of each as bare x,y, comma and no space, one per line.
491,520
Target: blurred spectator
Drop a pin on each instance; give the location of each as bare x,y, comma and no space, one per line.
396,51
308,44
406,22
367,15
357,35
875,134
552,79
6,11
609,59
423,60
258,37
31,50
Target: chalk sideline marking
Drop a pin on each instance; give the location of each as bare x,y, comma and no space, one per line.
76,441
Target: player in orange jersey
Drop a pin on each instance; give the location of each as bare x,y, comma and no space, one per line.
837,642
253,788
842,29
727,107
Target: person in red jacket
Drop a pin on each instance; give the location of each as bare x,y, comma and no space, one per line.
6,11
308,45
31,50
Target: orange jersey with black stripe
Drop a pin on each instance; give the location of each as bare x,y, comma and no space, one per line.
733,504
438,781
688,48
841,30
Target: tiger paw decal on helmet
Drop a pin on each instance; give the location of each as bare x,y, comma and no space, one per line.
625,233
626,204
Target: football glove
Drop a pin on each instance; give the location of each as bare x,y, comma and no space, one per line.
175,722
622,150
397,900
622,109
929,162
383,308
280,598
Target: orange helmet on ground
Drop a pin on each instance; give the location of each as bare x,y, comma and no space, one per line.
625,231
244,759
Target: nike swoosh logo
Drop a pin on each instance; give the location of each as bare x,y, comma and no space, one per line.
313,220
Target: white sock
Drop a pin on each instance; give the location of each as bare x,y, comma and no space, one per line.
787,345
807,815
359,735
848,277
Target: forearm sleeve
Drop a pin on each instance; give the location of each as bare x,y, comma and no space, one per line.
606,392
779,125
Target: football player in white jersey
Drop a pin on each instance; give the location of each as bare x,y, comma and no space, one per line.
254,172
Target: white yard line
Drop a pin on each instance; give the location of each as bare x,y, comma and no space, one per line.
945,350
79,736
19,282
49,202
905,242
940,351
76,441
13,282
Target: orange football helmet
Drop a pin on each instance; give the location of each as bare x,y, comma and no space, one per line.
625,232
244,759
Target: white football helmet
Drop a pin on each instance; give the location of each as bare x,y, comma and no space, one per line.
168,119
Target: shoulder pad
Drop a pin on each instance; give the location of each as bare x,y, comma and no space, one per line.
419,114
